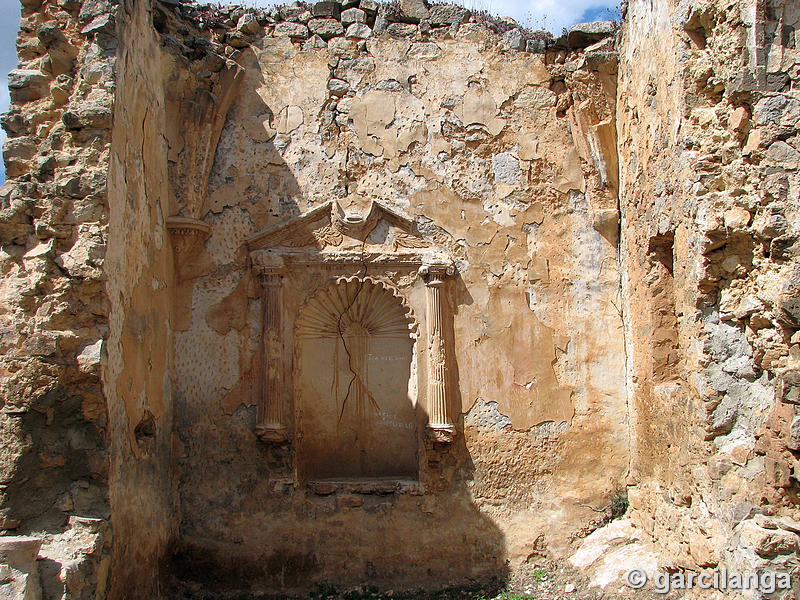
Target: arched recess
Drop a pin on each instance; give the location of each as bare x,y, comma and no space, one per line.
354,383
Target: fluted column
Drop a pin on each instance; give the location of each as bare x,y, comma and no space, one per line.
271,426
440,425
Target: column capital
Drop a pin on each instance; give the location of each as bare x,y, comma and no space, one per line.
436,269
187,236
272,433
270,279
188,227
268,265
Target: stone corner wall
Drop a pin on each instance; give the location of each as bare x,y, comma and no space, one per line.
578,200
54,421
86,411
708,150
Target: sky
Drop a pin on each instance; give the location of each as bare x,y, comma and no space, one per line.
538,14
9,22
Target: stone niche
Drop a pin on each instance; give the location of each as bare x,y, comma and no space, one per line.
341,343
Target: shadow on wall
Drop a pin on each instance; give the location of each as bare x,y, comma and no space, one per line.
248,170
248,526
389,540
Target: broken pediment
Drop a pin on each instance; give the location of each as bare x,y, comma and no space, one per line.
330,233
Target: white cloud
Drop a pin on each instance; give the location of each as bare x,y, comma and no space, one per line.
537,14
547,14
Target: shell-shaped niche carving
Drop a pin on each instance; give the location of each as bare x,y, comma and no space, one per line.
356,305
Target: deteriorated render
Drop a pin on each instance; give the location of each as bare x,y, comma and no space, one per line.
399,295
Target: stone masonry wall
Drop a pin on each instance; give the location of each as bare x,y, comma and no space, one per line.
709,186
624,307
54,421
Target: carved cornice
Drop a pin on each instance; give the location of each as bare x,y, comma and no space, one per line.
187,226
266,238
262,258
326,225
187,234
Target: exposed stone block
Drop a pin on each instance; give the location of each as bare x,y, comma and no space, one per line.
14,123
19,574
95,116
353,15
358,31
793,443
49,33
413,11
101,23
401,30
313,42
292,30
381,22
582,35
370,6
248,24
787,386
27,84
515,39
291,12
91,9
238,39
327,10
777,82
326,28
785,247
448,14
537,45
767,542
783,155
338,87
424,51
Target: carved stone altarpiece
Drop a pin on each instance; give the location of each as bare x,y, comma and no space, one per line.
358,322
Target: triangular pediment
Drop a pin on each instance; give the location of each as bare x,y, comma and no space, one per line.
328,227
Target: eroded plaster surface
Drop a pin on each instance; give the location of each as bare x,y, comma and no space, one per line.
395,294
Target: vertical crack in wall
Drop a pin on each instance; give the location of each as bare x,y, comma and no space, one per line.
356,377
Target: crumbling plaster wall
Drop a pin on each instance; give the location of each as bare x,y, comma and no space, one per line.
139,269
503,156
707,125
130,369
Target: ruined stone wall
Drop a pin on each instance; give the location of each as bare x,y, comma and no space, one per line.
55,423
88,281
140,130
618,311
707,120
503,157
